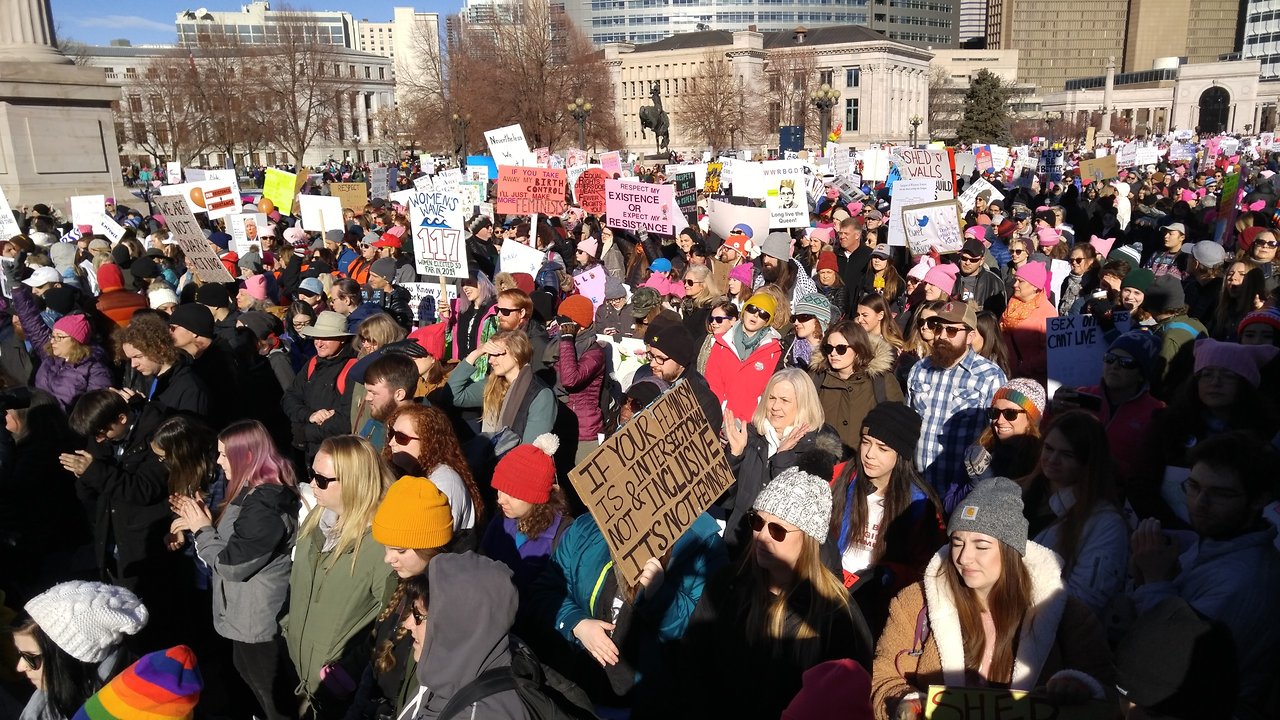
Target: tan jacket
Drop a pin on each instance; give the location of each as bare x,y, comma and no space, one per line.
1059,634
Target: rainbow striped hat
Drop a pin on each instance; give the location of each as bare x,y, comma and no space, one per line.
160,686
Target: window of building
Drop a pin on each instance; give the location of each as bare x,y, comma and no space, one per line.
852,77
826,77
368,73
135,103
851,115
382,73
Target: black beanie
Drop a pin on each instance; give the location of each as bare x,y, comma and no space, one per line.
195,318
674,341
61,299
895,425
213,295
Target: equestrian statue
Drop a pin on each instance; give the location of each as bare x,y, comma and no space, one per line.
655,118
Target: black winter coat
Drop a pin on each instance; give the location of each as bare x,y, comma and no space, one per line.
396,302
316,388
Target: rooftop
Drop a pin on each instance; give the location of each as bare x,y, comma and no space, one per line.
831,35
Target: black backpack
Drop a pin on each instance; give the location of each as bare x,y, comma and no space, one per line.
545,693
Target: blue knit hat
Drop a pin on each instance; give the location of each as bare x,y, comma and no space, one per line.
1142,345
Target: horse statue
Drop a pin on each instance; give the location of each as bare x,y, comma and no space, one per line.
655,118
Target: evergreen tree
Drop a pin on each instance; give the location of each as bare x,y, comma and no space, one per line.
986,111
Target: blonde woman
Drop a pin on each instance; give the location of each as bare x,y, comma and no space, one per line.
511,397
339,582
700,292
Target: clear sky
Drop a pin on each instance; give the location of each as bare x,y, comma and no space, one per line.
151,21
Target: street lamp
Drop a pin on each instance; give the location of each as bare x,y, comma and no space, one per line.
733,130
460,122
1050,120
580,110
915,128
824,98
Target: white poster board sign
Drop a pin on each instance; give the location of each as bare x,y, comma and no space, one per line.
439,233
786,193
723,216
8,222
507,145
1075,347
87,210
320,213
244,231
923,163
906,193
517,257
933,225
173,172
975,189
111,229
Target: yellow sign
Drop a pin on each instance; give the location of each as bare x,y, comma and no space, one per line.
280,188
953,703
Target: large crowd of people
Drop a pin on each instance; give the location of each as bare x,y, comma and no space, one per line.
304,494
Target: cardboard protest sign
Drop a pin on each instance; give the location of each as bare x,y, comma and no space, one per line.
932,164
950,703
515,257
686,195
439,233
8,222
351,195
711,185
978,188
933,225
589,190
916,191
529,190
173,172
507,145
1075,345
1098,169
279,187
184,228
590,284
244,231
612,163
722,216
639,206
648,483
87,210
320,213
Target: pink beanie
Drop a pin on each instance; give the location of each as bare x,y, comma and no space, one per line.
743,273
75,326
942,277
1049,236
1243,360
920,269
256,286
977,232
1035,273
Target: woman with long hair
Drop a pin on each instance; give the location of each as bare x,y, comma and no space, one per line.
721,319
855,376
376,331
739,284
829,282
874,315
743,359
886,521
918,339
475,314
810,319
186,447
760,625
1244,290
510,396
701,291
73,643
339,582
421,443
990,343
997,615
882,277
246,542
1073,508
1010,444
71,362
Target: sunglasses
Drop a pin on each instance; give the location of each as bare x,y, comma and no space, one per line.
717,319
33,660
1009,414
367,339
418,617
321,481
803,318
690,283
400,438
1077,261
762,314
1127,363
968,259
507,311
935,325
1018,252
1268,243
776,531
829,349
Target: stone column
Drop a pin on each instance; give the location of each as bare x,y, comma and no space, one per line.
375,132
362,117
1108,88
26,33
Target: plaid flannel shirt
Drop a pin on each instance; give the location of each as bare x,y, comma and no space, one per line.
953,403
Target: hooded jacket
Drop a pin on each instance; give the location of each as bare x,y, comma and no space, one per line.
1058,635
738,381
845,403
318,390
582,376
473,604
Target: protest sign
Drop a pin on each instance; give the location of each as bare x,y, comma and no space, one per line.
111,229
173,172
382,181
875,164
639,206
516,257
612,163
279,187
1098,169
351,195
1182,151
589,189
542,156
722,216
192,175
952,703
448,180
932,164
978,188
648,483
439,233
575,156
183,228
933,225
507,145
426,183
906,193
217,198
429,291
711,185
787,196
590,284
982,160
999,156
491,167
965,164
1266,140
478,173
699,171
686,195
1075,346
88,210
320,213
1147,155
244,231
1127,156
473,193
8,221
528,190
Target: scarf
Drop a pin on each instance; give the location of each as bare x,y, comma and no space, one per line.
772,439
488,330
801,352
744,344
1018,311
515,395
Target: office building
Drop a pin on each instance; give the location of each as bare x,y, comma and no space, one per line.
1058,41
1261,36
1200,31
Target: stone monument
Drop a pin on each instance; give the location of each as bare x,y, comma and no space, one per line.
57,134
1104,132
656,119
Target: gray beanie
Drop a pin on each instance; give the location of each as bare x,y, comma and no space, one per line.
801,499
777,245
815,305
993,507
613,288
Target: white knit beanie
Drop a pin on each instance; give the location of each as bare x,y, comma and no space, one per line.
87,619
801,499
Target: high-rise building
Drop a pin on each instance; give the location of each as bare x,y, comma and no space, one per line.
1261,19
411,39
1058,41
256,24
973,20
1198,30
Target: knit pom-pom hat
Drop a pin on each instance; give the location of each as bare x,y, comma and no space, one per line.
528,472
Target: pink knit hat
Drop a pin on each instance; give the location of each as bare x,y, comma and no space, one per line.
75,326
942,277
1243,360
920,269
1035,273
1049,236
256,286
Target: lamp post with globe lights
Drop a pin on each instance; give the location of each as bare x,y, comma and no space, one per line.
824,98
581,110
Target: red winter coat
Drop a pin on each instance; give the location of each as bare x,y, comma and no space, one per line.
1126,428
583,378
739,382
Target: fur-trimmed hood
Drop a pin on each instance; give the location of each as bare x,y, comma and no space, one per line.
881,356
1039,629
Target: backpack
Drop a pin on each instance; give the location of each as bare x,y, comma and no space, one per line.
342,376
545,693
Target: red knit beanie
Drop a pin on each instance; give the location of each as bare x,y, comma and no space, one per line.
528,472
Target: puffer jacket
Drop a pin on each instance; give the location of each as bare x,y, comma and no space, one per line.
845,403
64,380
396,303
582,377
249,553
739,382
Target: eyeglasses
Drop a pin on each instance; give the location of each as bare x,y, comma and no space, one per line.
717,319
321,481
1127,363
656,359
33,660
803,318
762,314
59,337
935,325
829,349
1009,414
776,531
507,311
1213,495
968,259
400,438
366,339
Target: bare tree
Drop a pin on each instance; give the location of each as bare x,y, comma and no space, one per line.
717,105
162,113
226,88
791,74
946,104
